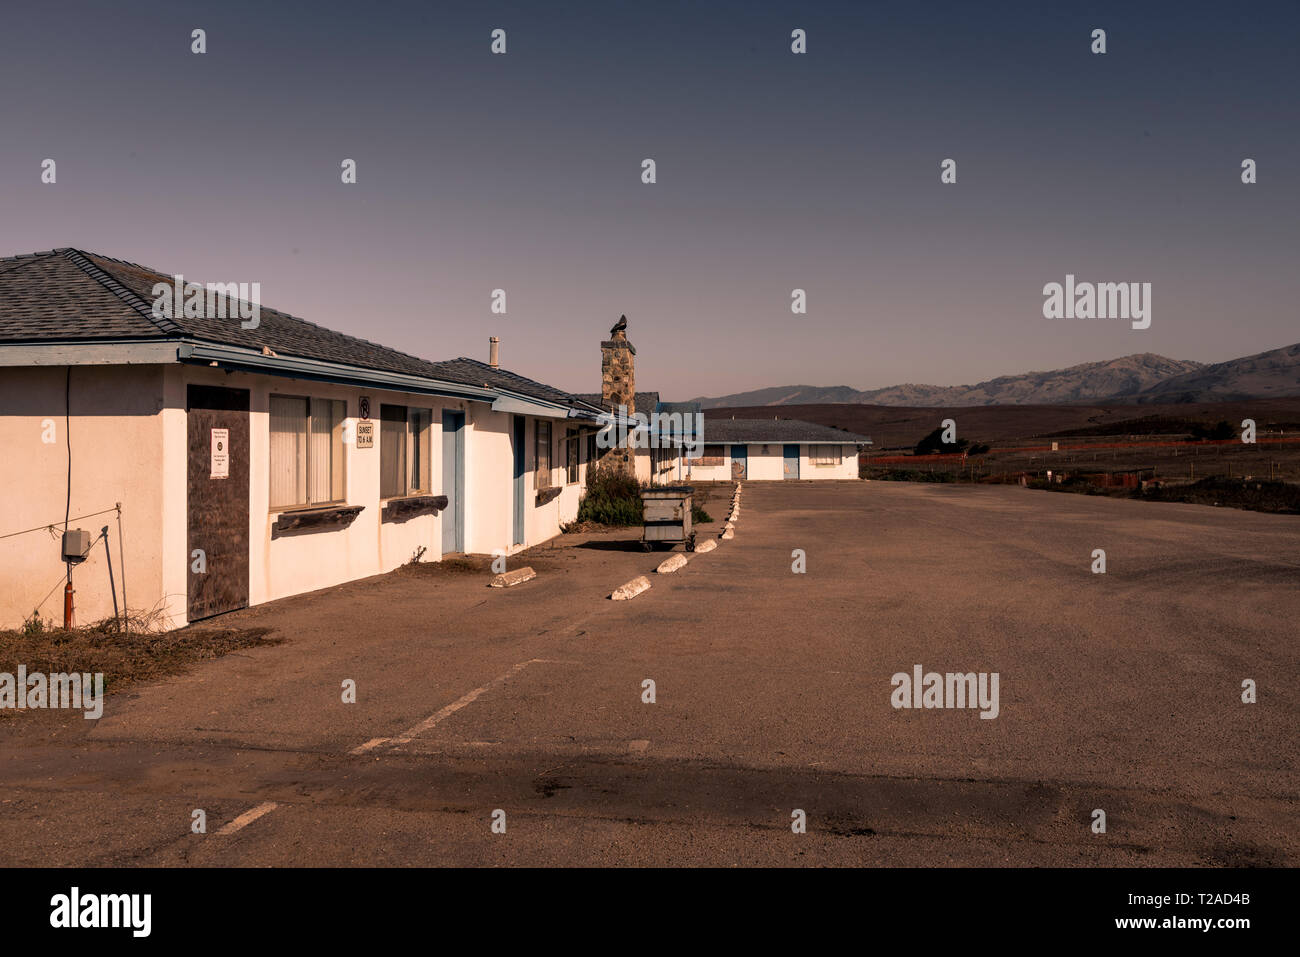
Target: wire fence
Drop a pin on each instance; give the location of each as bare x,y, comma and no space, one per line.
53,527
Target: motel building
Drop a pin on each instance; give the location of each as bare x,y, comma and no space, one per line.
758,450
217,463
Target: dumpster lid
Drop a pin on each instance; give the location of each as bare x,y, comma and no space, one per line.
667,491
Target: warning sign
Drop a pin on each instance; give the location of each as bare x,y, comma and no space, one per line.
365,435
220,454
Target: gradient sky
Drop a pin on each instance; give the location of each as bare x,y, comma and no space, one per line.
775,171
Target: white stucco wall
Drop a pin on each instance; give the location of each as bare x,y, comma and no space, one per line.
129,444
291,563
544,521
489,467
765,463
847,469
116,439
709,473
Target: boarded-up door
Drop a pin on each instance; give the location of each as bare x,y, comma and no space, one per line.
217,500
790,462
739,461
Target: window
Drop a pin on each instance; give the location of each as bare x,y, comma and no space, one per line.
593,451
825,454
571,441
713,455
542,455
664,459
306,451
404,451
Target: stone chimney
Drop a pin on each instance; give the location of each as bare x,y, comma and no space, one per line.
617,376
492,351
618,385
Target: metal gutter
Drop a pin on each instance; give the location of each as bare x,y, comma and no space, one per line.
508,401
230,357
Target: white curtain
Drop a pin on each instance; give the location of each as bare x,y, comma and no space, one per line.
321,452
825,454
288,451
392,451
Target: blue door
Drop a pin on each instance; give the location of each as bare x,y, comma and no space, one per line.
453,481
521,482
791,470
739,461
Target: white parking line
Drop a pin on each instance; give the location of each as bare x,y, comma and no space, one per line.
407,736
248,817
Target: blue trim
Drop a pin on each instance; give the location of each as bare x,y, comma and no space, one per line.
453,484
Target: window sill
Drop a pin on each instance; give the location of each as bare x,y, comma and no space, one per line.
401,509
334,516
547,495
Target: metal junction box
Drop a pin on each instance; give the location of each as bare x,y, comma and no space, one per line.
76,543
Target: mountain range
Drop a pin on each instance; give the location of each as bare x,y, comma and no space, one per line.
1142,378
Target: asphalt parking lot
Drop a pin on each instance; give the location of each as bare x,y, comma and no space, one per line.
1118,691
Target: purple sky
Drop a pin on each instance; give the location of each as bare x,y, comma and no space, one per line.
775,171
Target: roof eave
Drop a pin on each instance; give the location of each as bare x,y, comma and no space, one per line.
78,352
520,404
297,367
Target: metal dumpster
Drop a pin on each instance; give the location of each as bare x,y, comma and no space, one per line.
667,517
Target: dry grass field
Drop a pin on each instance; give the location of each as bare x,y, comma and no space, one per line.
1147,442
899,428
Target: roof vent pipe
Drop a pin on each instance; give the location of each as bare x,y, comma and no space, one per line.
493,341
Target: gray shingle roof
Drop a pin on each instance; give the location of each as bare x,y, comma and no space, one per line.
723,431
54,296
475,372
66,295
646,402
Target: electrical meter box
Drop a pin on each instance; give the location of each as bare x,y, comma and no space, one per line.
76,542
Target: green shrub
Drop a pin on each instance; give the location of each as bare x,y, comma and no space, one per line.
613,498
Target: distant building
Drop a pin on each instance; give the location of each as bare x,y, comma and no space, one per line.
758,450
